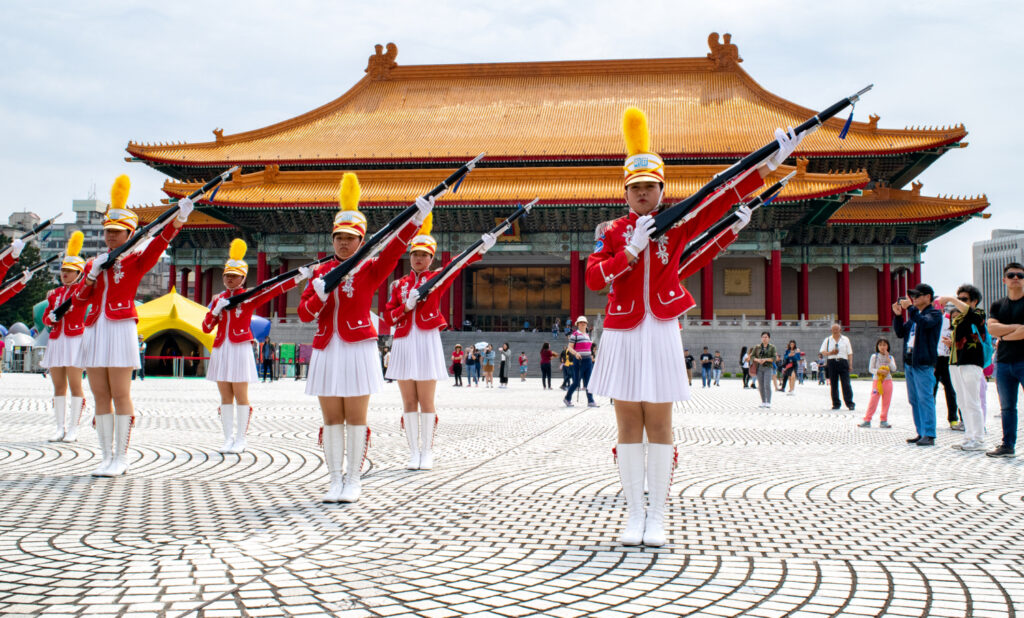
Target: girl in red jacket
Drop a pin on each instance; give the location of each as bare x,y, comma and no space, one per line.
417,358
642,360
64,346
110,345
232,365
344,369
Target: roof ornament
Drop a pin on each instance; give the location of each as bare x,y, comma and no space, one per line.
218,135
873,122
801,166
380,64
916,187
725,55
270,173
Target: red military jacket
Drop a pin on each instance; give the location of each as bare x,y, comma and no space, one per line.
236,323
347,308
6,262
115,288
72,324
427,313
651,283
706,253
11,291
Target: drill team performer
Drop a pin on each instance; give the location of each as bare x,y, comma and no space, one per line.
641,353
110,349
344,369
64,347
417,359
232,365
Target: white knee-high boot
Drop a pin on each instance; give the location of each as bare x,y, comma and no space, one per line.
243,416
227,423
661,463
58,416
631,470
428,425
357,440
122,436
76,407
333,437
105,436
411,424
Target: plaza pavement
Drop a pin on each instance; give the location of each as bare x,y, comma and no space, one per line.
788,511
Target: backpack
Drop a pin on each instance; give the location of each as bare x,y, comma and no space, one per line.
987,348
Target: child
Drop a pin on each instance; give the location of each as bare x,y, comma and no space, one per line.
522,366
881,366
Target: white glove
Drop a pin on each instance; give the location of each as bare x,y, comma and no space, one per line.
787,144
219,306
305,272
641,235
97,262
16,247
489,240
185,207
743,214
52,316
414,297
424,206
318,287
26,276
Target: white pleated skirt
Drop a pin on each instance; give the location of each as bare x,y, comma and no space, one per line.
344,369
642,364
110,343
63,351
232,362
418,356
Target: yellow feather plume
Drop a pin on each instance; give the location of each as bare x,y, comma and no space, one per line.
348,192
428,225
634,129
119,192
75,243
237,249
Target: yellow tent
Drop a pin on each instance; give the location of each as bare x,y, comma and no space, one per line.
172,311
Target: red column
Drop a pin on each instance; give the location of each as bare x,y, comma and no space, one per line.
768,289
707,292
262,270
917,278
576,289
208,293
802,295
884,303
843,293
197,293
446,298
183,288
172,274
776,268
382,299
282,300
458,316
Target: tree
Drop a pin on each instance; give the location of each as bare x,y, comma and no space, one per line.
19,308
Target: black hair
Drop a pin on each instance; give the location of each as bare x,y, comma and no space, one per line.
764,332
1014,265
972,292
886,342
793,342
545,346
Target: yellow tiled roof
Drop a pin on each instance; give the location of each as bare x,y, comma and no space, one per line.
545,111
196,220
554,185
894,206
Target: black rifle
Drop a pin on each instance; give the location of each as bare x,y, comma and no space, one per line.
378,241
452,267
150,229
246,295
725,222
31,269
672,215
27,236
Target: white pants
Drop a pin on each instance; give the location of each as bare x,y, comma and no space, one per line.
966,382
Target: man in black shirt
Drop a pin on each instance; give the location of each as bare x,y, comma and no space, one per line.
1006,321
705,367
689,366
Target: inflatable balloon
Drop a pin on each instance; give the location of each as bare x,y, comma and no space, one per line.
260,328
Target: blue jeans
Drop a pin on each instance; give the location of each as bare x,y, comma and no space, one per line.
718,376
1009,377
921,393
705,376
581,370
473,374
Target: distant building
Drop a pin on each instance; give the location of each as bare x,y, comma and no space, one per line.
18,223
990,256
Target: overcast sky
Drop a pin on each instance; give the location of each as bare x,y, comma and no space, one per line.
79,80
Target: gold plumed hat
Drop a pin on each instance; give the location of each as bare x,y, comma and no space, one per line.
117,216
349,220
641,165
71,259
423,241
235,264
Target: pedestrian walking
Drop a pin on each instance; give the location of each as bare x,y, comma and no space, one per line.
545,365
790,362
457,356
505,354
706,362
716,368
762,357
581,349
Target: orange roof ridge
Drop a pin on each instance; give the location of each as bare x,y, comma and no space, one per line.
885,205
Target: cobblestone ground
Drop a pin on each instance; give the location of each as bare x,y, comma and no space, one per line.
788,511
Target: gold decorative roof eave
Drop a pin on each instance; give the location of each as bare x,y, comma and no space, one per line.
886,206
255,147
271,188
